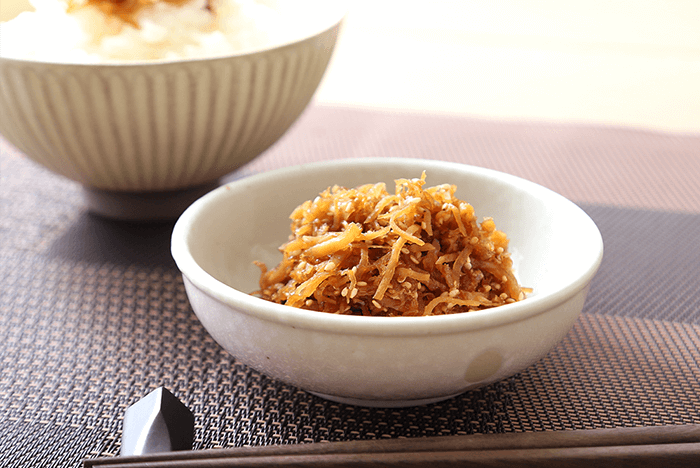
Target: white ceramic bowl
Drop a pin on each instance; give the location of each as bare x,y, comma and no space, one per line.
384,361
127,129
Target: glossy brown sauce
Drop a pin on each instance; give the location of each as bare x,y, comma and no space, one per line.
126,10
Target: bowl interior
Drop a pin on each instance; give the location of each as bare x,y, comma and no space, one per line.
555,246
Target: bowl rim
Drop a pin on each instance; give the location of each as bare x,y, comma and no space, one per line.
194,274
335,20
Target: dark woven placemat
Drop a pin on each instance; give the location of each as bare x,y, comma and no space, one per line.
93,315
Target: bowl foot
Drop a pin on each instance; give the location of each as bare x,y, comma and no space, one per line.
143,206
383,403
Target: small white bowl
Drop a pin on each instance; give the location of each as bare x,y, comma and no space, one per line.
384,361
129,130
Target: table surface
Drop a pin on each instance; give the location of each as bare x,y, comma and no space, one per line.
93,312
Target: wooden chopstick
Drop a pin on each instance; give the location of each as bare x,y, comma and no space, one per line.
635,446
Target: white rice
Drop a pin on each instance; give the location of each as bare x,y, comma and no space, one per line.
86,35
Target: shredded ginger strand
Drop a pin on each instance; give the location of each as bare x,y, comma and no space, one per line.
364,251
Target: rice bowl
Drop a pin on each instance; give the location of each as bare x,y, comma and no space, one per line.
146,137
81,31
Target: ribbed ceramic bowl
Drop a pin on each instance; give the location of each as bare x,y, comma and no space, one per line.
159,127
383,361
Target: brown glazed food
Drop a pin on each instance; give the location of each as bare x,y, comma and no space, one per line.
364,251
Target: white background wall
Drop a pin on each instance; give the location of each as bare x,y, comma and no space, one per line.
620,62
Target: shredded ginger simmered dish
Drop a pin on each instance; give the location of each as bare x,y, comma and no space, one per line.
364,251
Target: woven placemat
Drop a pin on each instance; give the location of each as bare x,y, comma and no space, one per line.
93,316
